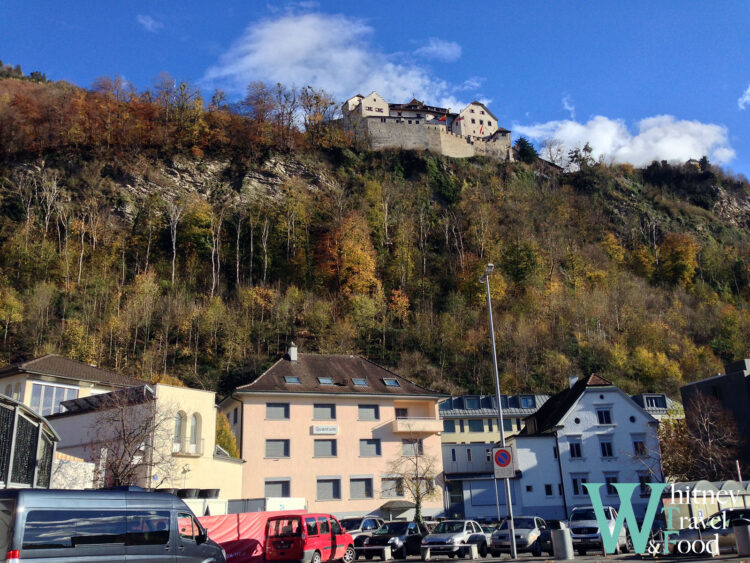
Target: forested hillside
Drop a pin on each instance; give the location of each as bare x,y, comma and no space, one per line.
152,232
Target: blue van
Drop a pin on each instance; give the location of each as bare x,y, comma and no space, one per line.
49,526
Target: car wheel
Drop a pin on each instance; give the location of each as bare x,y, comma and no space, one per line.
315,558
536,550
581,552
495,553
349,555
400,553
451,555
482,550
629,545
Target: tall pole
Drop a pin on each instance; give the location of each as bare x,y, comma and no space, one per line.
508,500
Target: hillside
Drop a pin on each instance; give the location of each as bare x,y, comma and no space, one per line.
146,233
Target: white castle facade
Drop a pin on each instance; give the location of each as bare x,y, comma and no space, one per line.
474,131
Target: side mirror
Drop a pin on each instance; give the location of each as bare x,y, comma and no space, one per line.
202,537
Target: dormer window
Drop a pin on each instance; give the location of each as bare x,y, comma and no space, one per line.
293,379
359,382
391,382
471,403
527,402
325,380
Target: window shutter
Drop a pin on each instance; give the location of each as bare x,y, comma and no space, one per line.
324,448
369,448
361,488
324,412
369,412
277,411
328,489
277,448
277,489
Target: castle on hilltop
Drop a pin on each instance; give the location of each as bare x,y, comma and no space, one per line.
473,131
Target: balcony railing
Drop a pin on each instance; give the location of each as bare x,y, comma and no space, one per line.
190,449
417,425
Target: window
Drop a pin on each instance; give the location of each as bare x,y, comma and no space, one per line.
277,448
195,433
391,381
610,479
412,447
417,122
471,110
325,448
234,415
383,119
489,124
461,425
518,424
644,479
473,120
548,490
9,390
148,527
277,411
576,450
471,403
58,529
328,489
606,447
325,380
481,111
604,416
311,527
360,487
554,452
656,402
489,425
507,425
449,426
323,525
278,488
369,447
179,426
360,381
292,379
453,454
402,413
578,482
46,398
488,454
392,487
410,122
481,122
527,402
468,454
639,447
529,488
476,425
369,412
324,411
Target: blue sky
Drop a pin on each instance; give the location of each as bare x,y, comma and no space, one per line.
638,80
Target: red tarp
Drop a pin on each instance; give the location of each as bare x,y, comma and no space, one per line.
241,535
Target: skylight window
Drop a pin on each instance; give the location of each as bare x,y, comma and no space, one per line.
359,382
292,379
325,380
391,382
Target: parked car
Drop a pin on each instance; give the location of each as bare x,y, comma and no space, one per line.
487,531
451,537
715,524
545,538
585,532
527,531
311,538
404,538
360,528
38,525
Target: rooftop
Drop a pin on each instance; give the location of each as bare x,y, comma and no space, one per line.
469,406
59,366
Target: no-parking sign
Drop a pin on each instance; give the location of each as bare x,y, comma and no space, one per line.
504,462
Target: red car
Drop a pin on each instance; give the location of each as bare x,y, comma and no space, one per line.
307,538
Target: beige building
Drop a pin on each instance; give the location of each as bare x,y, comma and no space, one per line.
44,383
182,443
329,428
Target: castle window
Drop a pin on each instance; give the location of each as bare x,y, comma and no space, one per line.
382,119
471,110
482,112
417,122
369,108
489,124
410,122
481,121
473,120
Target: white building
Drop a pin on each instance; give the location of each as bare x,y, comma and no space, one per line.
602,436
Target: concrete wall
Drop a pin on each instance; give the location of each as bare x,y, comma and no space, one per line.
302,468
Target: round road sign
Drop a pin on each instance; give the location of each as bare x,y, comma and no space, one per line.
503,457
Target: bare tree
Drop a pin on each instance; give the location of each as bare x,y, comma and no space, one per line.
415,472
175,209
25,188
554,151
48,189
131,439
714,438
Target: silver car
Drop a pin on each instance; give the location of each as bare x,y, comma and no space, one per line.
452,537
585,532
360,528
527,529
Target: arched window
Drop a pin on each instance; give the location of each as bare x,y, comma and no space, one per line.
195,433
179,432
9,390
17,395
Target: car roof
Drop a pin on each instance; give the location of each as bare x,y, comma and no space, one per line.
32,498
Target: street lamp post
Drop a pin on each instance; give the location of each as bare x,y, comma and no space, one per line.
508,501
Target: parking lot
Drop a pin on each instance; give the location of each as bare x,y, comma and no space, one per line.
525,557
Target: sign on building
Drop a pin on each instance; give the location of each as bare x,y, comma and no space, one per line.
325,429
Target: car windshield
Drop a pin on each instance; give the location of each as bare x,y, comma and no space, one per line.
520,524
487,529
392,529
585,514
448,528
351,523
284,527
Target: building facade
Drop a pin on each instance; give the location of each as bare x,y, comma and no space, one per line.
474,131
331,429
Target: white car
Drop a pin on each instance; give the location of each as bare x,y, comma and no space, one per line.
528,530
585,532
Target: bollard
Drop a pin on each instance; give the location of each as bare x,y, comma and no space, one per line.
741,528
425,553
562,544
387,553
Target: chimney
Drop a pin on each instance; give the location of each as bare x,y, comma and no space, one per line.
292,352
572,380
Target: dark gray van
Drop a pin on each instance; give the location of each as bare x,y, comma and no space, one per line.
40,525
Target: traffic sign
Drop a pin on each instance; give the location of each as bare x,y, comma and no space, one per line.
504,462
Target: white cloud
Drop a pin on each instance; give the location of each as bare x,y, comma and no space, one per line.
568,106
744,100
148,23
332,52
435,48
661,137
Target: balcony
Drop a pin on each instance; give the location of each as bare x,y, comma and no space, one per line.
415,425
191,449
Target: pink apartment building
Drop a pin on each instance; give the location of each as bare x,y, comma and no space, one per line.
327,428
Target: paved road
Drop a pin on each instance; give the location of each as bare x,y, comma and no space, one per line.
527,558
